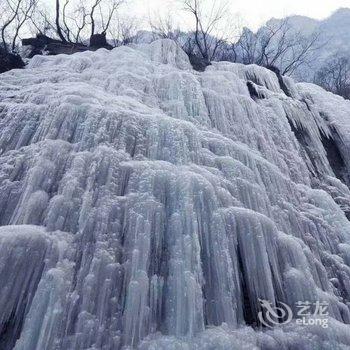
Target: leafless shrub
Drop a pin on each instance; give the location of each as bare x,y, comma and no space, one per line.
335,76
277,45
16,14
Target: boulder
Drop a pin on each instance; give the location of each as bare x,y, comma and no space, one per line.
198,63
42,43
98,41
9,61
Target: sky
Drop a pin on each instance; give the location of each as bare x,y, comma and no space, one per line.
254,13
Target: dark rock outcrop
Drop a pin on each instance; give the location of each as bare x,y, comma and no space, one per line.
9,61
255,94
42,43
98,41
280,79
199,64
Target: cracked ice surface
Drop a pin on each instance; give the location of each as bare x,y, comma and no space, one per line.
145,205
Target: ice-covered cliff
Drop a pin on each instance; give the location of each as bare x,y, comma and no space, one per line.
145,205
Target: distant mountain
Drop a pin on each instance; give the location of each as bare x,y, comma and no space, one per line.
334,33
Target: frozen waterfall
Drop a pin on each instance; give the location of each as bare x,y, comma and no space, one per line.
144,205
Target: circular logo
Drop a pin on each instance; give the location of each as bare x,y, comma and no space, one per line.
271,316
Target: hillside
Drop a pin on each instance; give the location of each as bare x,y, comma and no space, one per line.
334,35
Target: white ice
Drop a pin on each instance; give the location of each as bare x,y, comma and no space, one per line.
146,205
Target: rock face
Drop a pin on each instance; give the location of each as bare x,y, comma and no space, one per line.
9,61
43,44
146,205
198,63
99,41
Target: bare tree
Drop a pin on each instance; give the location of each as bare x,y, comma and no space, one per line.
75,19
64,19
41,22
124,31
57,22
163,27
301,53
278,45
106,14
24,14
106,20
80,21
67,23
92,13
335,76
19,12
246,47
13,12
208,34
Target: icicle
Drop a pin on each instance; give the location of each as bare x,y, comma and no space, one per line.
145,205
